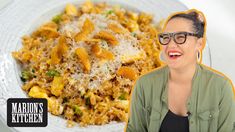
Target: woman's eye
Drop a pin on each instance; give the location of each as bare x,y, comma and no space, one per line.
165,37
180,37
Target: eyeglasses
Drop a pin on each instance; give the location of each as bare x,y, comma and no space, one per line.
178,37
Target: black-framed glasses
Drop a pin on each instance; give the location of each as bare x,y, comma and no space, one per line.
178,37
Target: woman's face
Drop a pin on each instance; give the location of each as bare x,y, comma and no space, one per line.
181,55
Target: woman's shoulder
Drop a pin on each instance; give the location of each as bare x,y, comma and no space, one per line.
217,84
150,84
215,78
213,74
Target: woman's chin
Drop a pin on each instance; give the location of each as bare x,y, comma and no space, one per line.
180,64
174,66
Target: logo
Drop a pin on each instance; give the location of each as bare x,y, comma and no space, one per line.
26,112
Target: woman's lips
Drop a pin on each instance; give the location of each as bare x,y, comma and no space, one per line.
174,54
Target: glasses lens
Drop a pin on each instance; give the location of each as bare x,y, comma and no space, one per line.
164,39
180,38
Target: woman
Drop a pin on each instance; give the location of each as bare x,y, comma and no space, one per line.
183,95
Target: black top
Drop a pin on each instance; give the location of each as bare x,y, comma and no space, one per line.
174,123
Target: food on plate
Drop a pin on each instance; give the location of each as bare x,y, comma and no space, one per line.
86,59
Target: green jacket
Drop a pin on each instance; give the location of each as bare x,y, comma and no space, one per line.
211,104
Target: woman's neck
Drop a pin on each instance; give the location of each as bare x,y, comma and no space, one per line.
183,75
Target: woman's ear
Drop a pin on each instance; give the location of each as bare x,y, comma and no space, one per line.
199,44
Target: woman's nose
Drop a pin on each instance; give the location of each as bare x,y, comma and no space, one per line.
172,43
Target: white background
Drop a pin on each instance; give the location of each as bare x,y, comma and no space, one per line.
220,16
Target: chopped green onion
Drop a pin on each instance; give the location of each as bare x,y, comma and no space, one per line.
87,101
122,96
133,34
52,73
57,18
65,99
109,12
26,75
77,110
22,79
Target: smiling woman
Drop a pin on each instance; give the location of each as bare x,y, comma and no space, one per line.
189,27
178,95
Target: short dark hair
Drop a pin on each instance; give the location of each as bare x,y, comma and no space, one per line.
196,18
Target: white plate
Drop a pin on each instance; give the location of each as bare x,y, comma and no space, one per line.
20,17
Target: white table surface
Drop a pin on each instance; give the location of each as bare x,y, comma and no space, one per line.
220,31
